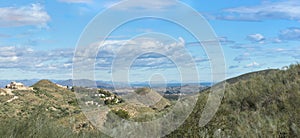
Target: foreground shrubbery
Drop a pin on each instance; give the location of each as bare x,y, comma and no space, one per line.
261,104
39,126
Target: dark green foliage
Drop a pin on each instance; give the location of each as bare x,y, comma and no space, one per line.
106,93
114,101
121,113
39,92
73,102
171,97
107,102
142,91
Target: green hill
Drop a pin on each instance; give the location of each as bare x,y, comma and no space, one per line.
47,111
259,104
146,105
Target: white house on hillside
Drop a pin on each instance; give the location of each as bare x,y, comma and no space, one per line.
18,86
14,85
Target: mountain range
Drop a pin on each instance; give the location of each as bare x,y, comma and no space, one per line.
99,84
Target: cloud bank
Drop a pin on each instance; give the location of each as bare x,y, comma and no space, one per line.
34,15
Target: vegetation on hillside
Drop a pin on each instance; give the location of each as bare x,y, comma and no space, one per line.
39,125
260,104
47,111
121,113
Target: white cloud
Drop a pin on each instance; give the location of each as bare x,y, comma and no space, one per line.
276,40
7,51
292,33
76,1
287,10
155,53
293,52
27,59
279,49
34,14
8,59
174,50
60,60
253,65
258,38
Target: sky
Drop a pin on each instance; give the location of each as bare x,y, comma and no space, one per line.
38,38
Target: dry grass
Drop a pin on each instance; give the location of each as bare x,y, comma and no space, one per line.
261,104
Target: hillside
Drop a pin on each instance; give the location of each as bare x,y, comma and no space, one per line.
58,107
47,111
259,104
144,106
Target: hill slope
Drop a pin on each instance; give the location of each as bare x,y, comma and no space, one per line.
260,104
47,111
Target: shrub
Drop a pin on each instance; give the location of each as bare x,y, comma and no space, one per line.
121,113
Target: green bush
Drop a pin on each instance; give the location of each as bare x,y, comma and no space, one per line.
106,93
121,113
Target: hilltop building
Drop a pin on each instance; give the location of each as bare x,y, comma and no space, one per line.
17,86
61,86
14,85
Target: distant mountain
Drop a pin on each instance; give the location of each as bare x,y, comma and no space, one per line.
99,84
170,84
69,82
84,83
79,83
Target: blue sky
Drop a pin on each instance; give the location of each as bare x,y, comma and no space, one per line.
38,37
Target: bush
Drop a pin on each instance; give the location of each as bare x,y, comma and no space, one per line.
106,93
121,113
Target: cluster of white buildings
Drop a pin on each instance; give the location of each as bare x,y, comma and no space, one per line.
9,88
103,98
61,86
92,103
99,95
17,86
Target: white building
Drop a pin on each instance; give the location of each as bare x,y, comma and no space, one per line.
17,86
14,85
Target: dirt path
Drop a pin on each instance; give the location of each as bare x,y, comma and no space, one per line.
14,98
